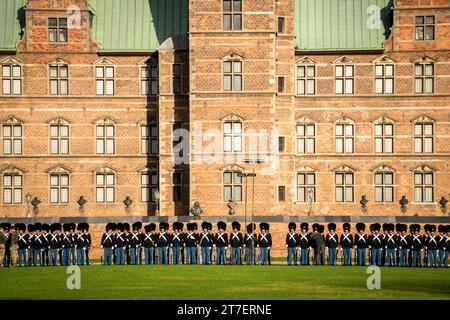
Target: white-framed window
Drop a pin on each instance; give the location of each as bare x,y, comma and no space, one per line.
12,138
306,186
105,138
384,138
306,79
149,139
232,75
424,77
384,186
232,186
59,188
424,187
306,138
423,137
424,27
345,138
59,139
149,184
232,14
59,80
57,30
12,188
344,186
105,187
384,78
232,136
11,79
105,77
344,79
149,79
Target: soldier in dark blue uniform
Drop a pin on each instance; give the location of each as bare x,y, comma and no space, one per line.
135,243
347,242
264,243
46,236
190,243
447,245
403,245
87,240
383,249
417,243
375,244
22,244
65,245
431,246
163,243
250,244
206,242
221,243
390,245
54,243
79,245
304,244
108,243
441,245
292,242
31,236
149,242
236,243
122,243
332,242
176,243
361,243
40,242
197,237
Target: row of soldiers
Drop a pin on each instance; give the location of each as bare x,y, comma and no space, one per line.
392,247
44,245
191,247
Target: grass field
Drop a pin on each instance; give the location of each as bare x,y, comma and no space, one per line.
223,282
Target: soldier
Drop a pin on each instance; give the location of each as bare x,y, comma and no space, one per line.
54,243
250,244
292,241
87,241
236,243
2,244
361,243
221,243
346,242
79,244
447,245
40,242
317,243
127,234
148,242
65,245
304,243
31,236
383,249
163,243
206,243
441,245
417,243
264,243
108,243
197,237
375,244
22,244
427,228
5,242
46,236
135,243
176,243
431,246
332,243
190,243
73,248
390,244
122,243
403,245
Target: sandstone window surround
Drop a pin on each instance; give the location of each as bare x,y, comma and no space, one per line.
384,184
306,185
12,76
345,136
344,76
149,181
281,25
424,27
306,76
104,77
12,137
424,180
12,183
232,15
59,131
384,75
232,75
232,136
149,138
105,182
59,181
384,135
232,186
281,193
424,75
59,78
149,77
306,136
105,136
424,130
57,30
344,180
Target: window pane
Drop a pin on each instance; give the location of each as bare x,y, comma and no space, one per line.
227,83
379,70
237,6
428,194
310,145
17,86
237,127
418,194
349,130
100,195
64,146
301,146
310,130
429,33
379,178
64,195
429,69
388,129
227,143
378,194
237,22
339,194
311,180
99,87
7,86
238,144
389,70
7,131
311,86
17,195
311,71
99,72
100,146
389,194
378,129
100,131
339,130
227,21
109,194
100,179
378,85
110,131
419,70
7,196
238,193
109,72
227,193
339,177
348,178
17,146
64,87
6,71
63,72
339,71
339,86
301,195
53,72
348,145
429,85
419,20
418,179
53,86
7,181
428,178
110,87
17,181
54,146
300,71
53,195
428,145
301,179
300,130
238,83
349,71
349,194
154,179
7,146
64,131
110,179
339,145
145,194
388,145
418,145
348,85
389,178
237,66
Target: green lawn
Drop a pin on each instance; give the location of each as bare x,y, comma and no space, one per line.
223,282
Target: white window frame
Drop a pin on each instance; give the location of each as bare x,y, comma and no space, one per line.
12,79
233,136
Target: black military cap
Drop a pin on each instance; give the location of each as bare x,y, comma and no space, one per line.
210,226
332,226
321,228
137,226
147,228
73,226
432,228
264,226
304,226
316,227
20,227
80,226
360,226
46,227
163,226
120,226
251,227
441,228
398,227
292,226
376,227
195,225
180,226
221,225
38,226
447,228
152,226
126,226
7,226
85,226
55,227
175,226
31,228
189,226
205,225
236,225
346,226
385,227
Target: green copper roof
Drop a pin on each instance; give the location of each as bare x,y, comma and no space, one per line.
137,25
11,22
326,25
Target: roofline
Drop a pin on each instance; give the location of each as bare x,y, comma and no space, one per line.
340,51
131,52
